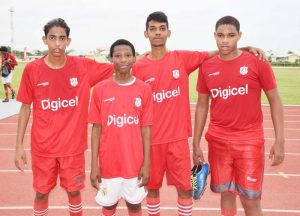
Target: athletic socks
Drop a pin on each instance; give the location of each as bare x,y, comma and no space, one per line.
40,208
75,205
153,206
185,206
228,212
106,212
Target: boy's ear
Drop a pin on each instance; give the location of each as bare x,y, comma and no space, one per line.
44,40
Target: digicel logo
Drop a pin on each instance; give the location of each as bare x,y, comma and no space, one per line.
120,121
55,105
226,93
163,95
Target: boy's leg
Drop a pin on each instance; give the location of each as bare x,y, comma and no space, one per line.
178,174
40,206
228,204
251,207
134,209
72,176
75,203
44,172
109,210
5,93
158,163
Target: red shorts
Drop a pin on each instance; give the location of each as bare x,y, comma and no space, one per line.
236,166
174,159
71,171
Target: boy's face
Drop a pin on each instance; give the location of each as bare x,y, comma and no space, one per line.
157,33
57,41
122,59
227,38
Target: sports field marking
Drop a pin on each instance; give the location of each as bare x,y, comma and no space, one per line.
169,208
283,175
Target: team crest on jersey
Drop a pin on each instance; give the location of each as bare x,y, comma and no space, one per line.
138,102
243,70
73,81
176,74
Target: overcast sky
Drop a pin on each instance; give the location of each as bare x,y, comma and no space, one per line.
268,24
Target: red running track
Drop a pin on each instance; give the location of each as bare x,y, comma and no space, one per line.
281,189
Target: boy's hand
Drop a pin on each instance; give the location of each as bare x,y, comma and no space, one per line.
276,154
20,158
258,52
95,178
144,175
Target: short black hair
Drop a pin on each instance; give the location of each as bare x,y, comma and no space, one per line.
58,22
118,43
228,20
3,49
157,16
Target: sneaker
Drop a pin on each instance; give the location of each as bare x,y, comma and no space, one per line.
13,95
199,175
5,100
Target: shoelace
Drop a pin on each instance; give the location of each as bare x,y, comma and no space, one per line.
194,182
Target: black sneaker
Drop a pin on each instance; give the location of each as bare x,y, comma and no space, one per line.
13,95
5,100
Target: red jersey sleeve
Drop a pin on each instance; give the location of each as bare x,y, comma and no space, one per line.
193,59
201,82
266,76
98,71
95,107
25,93
147,116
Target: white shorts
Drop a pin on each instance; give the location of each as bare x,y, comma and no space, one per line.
111,190
7,79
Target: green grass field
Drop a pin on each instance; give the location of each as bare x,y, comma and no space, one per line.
288,81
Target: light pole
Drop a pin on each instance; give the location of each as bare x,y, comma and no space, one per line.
11,10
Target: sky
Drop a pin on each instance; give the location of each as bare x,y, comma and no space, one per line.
273,25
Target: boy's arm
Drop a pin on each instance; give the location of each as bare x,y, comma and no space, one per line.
95,175
20,154
200,119
144,173
255,51
277,150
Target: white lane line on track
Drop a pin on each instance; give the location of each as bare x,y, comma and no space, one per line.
88,171
168,208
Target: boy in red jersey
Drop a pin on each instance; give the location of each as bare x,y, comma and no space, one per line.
233,81
8,61
167,72
121,113
58,86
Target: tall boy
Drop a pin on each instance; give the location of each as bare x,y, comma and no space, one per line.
167,73
233,81
121,113
58,87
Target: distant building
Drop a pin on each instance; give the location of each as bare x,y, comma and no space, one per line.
288,58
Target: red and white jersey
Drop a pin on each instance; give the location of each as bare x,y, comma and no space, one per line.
12,58
169,80
121,110
235,91
60,100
